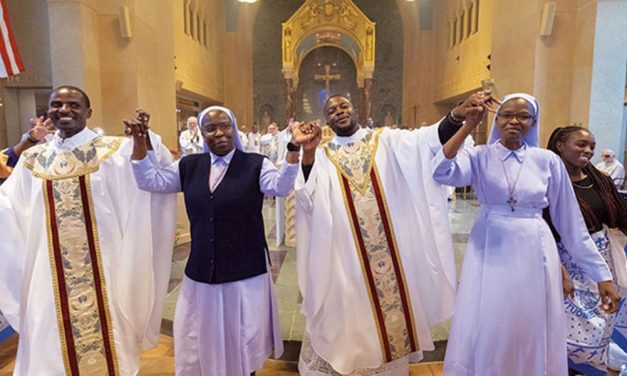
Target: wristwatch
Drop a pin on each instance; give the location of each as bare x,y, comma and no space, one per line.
293,147
454,119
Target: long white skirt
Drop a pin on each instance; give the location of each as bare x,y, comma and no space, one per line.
226,329
509,316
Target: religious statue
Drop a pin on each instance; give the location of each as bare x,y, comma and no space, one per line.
328,7
287,52
369,44
311,16
345,14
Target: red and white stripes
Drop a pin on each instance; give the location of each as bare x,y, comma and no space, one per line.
10,61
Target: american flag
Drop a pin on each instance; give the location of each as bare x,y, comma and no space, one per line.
10,61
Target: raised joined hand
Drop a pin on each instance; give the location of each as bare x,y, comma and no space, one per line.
476,107
308,135
138,129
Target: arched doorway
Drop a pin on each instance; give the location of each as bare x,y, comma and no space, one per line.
322,67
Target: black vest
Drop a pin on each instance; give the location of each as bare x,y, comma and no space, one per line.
228,238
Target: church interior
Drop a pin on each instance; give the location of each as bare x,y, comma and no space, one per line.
404,63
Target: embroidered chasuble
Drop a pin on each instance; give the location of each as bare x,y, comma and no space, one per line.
373,234
373,271
77,277
86,295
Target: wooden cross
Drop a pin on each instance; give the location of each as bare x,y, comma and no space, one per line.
327,77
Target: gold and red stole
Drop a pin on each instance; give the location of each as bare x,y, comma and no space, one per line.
375,242
82,309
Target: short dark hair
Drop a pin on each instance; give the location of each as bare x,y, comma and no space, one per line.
337,96
74,88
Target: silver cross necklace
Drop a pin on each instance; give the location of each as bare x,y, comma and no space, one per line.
511,201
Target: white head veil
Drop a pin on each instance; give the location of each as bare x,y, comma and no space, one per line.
229,113
533,137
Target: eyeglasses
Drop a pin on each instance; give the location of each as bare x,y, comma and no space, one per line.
508,116
214,127
605,156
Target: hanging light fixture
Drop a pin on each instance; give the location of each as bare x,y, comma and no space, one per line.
247,1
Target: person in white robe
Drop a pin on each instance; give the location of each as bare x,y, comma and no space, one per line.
191,139
273,143
612,167
253,144
38,133
85,254
243,138
509,318
374,251
226,321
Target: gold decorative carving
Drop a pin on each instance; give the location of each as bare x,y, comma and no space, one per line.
337,23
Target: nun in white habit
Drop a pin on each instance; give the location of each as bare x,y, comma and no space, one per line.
509,317
226,321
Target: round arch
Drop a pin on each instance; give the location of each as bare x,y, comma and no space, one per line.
332,23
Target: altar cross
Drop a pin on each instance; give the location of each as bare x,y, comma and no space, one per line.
327,77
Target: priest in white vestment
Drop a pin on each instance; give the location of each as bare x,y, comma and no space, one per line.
85,255
612,167
253,141
375,258
191,139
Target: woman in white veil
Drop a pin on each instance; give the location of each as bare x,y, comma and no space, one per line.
509,317
226,320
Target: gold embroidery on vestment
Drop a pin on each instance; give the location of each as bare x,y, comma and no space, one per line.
71,220
377,255
50,163
356,159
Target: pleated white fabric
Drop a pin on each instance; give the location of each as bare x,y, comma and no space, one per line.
226,329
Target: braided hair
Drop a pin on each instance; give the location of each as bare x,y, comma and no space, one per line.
603,184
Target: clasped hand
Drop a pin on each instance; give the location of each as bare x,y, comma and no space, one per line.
476,107
138,129
308,135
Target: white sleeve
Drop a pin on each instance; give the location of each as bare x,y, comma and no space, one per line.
14,218
277,182
456,172
154,179
305,189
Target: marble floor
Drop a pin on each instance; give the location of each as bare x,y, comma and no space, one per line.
461,215
159,361
462,212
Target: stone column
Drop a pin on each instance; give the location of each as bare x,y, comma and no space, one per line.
365,104
607,88
119,74
290,91
74,48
